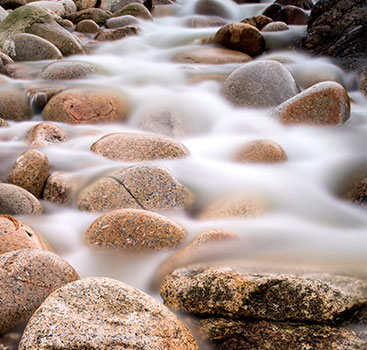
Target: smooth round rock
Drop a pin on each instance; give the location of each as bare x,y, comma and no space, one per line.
44,134
87,26
211,55
325,103
114,5
134,229
136,10
304,4
149,187
16,235
211,8
132,147
85,4
105,314
14,104
59,189
122,21
241,37
197,21
28,47
259,84
30,171
258,21
87,106
275,27
260,151
15,200
27,277
117,34
54,6
97,15
67,70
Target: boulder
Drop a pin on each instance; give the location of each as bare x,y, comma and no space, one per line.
67,70
197,21
134,229
53,6
14,104
27,277
85,4
44,134
259,84
133,147
30,171
149,187
104,314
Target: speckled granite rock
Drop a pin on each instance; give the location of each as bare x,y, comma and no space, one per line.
325,103
30,171
59,189
211,55
354,188
233,292
134,9
27,277
134,229
118,33
10,341
225,334
149,187
14,104
260,151
133,147
235,205
258,21
241,37
44,134
16,235
259,84
15,200
87,105
105,314
67,70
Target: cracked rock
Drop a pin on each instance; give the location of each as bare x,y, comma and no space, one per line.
102,313
27,277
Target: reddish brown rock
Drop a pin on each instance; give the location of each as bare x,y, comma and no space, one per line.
325,103
87,26
14,104
136,10
134,229
30,171
59,189
44,134
260,151
258,21
16,235
241,37
117,34
87,105
27,277
289,14
132,147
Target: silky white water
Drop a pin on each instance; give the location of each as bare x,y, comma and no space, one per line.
308,224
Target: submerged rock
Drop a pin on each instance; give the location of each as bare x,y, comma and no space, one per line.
258,21
44,134
105,314
59,189
118,33
67,70
136,10
14,104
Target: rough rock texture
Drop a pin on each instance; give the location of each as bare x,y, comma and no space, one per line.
67,70
27,277
228,334
131,147
211,8
260,151
105,314
87,26
257,21
355,188
134,229
233,292
16,235
149,187
28,47
32,20
211,55
134,9
117,34
14,104
10,341
44,134
30,171
241,37
259,84
363,80
337,28
59,189
122,21
325,103
15,200
86,105
235,205
97,15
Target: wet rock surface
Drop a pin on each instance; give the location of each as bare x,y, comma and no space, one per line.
59,189
117,313
27,277
44,134
14,105
67,70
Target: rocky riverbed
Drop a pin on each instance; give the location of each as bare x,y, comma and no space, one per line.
185,174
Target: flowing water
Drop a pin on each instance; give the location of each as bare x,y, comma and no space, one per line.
308,224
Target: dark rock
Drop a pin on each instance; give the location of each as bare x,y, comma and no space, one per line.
304,4
211,8
97,15
288,14
10,341
258,21
87,26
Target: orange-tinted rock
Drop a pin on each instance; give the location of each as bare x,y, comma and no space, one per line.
14,105
241,37
3,123
16,235
325,103
258,21
85,106
30,171
260,151
134,229
44,134
59,189
132,147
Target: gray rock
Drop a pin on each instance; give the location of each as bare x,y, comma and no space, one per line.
97,15
67,70
259,84
117,34
134,9
104,314
3,14
115,5
121,21
56,7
